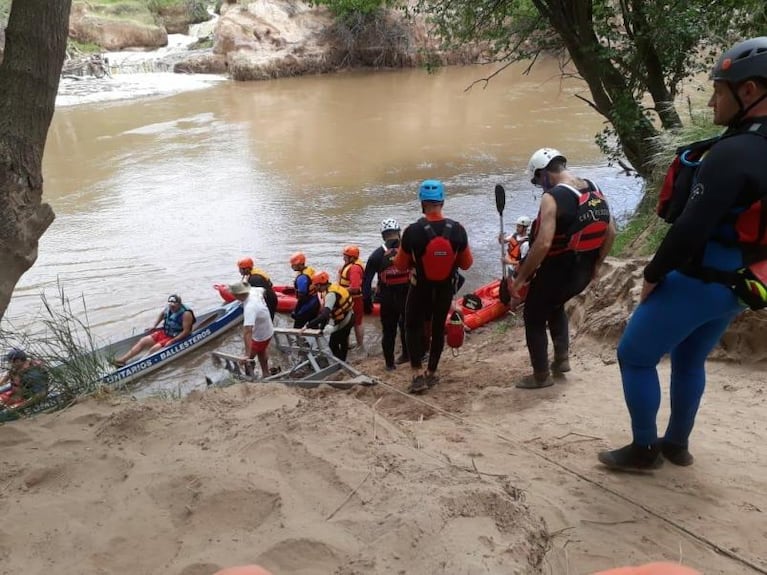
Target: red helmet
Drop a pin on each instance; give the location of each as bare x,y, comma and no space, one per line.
245,263
298,258
352,251
321,278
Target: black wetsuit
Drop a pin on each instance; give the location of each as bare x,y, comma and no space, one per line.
558,279
392,299
428,300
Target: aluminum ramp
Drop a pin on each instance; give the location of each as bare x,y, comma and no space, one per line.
311,362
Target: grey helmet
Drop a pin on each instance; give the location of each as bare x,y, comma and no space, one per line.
745,60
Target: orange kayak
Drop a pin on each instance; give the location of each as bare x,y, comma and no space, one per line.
492,307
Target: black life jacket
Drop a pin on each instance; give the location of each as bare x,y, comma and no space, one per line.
589,228
388,274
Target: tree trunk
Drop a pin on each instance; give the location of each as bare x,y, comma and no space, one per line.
613,98
35,45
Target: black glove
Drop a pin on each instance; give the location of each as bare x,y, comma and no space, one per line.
367,306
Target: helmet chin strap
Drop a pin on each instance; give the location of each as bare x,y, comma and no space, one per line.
742,110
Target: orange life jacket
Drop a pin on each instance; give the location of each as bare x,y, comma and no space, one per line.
344,279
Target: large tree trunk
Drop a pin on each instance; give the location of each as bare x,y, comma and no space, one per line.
35,45
612,96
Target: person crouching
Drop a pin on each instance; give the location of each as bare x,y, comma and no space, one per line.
336,310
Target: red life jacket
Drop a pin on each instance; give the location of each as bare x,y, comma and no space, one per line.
589,229
389,275
438,261
749,223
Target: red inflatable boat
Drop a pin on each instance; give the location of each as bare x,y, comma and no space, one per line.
492,308
286,297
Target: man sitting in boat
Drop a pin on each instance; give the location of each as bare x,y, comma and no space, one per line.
27,377
256,277
336,311
257,326
518,244
307,302
177,321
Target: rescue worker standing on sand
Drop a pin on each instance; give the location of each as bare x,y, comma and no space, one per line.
687,298
337,311
350,276
307,302
258,278
570,239
391,291
434,247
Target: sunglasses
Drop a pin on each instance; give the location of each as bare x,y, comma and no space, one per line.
173,300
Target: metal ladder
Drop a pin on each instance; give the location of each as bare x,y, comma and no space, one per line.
311,362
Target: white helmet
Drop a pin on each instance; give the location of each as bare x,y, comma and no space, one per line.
542,158
524,221
389,225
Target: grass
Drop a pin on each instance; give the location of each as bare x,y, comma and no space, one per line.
82,47
63,342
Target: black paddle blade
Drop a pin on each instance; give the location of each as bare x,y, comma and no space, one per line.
503,292
500,198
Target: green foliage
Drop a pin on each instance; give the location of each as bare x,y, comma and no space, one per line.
82,47
345,8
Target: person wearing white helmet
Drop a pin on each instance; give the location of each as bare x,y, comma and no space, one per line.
518,244
706,270
569,239
391,292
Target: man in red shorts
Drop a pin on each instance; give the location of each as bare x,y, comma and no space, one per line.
257,326
177,321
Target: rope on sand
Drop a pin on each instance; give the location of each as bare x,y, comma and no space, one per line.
520,445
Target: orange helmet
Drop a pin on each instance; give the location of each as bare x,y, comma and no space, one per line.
245,263
320,278
352,251
297,258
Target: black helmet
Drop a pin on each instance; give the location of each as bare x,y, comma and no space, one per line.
16,353
743,61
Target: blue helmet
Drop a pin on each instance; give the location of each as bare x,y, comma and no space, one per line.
431,191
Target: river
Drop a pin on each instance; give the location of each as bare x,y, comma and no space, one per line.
163,193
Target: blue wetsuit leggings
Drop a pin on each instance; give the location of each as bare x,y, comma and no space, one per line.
685,317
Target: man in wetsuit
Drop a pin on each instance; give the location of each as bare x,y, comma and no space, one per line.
434,247
336,312
307,302
391,291
571,237
680,312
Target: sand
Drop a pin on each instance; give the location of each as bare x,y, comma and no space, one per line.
475,477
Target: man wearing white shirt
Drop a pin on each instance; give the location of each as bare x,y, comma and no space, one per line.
257,324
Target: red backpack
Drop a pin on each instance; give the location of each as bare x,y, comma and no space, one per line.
438,259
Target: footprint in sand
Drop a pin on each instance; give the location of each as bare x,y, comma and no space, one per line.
301,556
10,436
